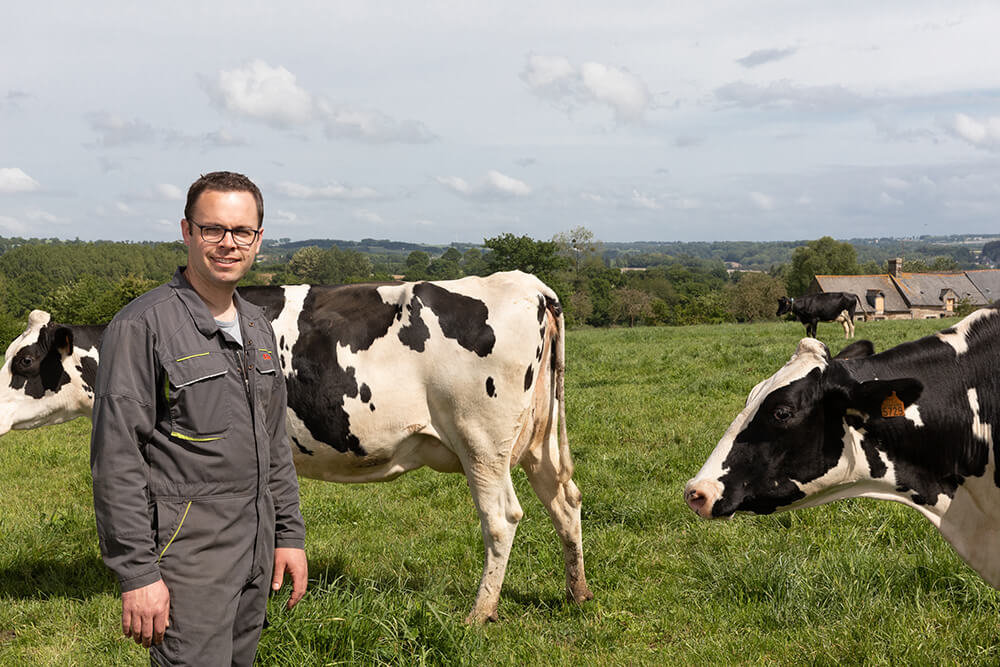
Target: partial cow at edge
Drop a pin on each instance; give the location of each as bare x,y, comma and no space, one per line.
914,424
461,376
827,307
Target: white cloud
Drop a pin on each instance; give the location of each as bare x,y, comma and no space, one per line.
494,185
621,90
894,183
644,201
168,192
593,197
506,184
124,208
370,217
13,226
283,217
114,131
373,126
785,94
13,179
38,215
330,191
264,93
888,200
981,134
762,201
556,79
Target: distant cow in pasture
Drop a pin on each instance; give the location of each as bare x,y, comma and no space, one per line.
461,376
914,424
826,307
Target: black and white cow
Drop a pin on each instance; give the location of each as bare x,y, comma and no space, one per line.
461,376
828,307
913,424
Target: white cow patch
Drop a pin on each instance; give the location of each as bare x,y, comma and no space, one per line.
286,325
980,430
959,339
913,414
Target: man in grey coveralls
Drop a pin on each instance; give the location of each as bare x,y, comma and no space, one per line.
195,495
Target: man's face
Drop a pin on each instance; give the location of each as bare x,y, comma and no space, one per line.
225,262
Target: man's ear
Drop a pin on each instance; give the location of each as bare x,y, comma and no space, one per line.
886,398
859,349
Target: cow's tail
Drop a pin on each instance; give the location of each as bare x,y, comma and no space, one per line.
559,361
861,302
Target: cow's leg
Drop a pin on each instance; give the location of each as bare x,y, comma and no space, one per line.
499,514
562,500
811,328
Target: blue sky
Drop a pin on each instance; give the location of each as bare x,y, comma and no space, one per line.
454,121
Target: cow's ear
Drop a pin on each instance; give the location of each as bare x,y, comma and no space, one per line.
886,398
62,340
857,350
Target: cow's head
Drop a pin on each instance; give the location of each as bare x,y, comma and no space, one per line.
41,380
793,443
784,305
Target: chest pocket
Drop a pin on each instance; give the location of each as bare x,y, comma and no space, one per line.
197,396
266,367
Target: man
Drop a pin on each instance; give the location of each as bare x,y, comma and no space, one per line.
194,491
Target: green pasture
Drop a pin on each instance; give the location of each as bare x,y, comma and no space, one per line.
394,567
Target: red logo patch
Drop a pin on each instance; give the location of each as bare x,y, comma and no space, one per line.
265,355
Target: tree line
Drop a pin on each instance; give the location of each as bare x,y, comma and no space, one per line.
88,282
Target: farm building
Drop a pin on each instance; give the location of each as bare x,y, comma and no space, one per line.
898,295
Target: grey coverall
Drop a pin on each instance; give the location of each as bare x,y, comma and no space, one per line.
193,477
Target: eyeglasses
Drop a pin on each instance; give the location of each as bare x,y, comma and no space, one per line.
242,236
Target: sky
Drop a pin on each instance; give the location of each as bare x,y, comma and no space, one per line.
441,121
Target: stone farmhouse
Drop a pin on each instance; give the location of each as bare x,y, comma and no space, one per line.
898,295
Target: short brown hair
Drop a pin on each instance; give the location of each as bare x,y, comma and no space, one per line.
224,181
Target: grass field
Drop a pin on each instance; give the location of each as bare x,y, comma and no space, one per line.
394,567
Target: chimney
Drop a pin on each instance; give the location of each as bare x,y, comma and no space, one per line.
895,267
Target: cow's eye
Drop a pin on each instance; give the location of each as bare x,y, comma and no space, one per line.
782,413
26,361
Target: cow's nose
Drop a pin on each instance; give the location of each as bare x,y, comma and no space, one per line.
700,497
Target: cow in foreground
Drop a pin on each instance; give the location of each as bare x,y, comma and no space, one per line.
913,424
461,376
827,307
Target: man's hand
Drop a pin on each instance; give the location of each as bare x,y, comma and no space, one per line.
146,613
294,561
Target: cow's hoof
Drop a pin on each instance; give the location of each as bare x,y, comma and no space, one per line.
482,618
579,596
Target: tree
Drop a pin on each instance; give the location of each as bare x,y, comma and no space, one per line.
631,304
416,265
823,256
304,264
991,250
446,266
509,252
754,297
577,245
473,264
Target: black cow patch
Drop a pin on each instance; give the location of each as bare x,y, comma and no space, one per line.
270,299
37,368
491,389
350,315
541,308
371,406
462,318
88,371
416,333
302,449
528,377
365,393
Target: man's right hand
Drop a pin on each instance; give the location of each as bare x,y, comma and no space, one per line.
146,613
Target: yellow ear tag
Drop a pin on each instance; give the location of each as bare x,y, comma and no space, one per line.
892,406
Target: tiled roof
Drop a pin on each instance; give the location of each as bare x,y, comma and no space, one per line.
927,289
988,283
862,285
